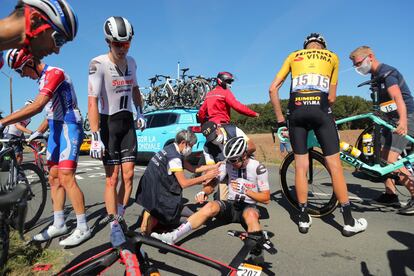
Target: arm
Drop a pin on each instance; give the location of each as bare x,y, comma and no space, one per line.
26,112
274,98
202,113
395,94
334,83
239,107
332,94
262,197
20,127
93,113
43,126
137,99
251,147
95,80
263,194
185,182
189,167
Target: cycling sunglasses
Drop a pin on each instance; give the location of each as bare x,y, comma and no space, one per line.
58,39
20,69
235,160
125,44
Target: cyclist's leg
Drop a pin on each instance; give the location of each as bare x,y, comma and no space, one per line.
251,218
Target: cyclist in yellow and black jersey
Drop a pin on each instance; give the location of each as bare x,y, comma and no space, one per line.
314,72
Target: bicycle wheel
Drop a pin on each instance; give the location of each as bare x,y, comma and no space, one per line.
37,195
4,241
163,97
188,96
202,87
321,198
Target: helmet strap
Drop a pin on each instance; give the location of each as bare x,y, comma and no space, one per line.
28,12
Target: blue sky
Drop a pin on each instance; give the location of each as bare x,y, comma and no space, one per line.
251,39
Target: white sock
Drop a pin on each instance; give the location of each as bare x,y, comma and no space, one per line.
81,222
182,230
121,209
58,219
114,224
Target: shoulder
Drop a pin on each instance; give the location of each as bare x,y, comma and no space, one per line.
55,72
258,167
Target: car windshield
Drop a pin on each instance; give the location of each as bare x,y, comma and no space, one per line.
160,120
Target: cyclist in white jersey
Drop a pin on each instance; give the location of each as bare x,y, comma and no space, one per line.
16,131
248,184
112,82
57,96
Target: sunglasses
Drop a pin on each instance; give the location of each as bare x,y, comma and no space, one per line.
235,160
20,69
126,44
58,39
357,64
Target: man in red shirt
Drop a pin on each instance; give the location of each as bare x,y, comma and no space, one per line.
217,104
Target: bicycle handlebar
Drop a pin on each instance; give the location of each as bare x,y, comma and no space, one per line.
376,79
263,241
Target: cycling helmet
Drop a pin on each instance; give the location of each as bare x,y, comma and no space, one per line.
235,147
17,58
59,14
224,78
118,29
29,102
314,37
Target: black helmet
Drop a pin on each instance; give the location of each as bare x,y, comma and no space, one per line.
224,78
314,37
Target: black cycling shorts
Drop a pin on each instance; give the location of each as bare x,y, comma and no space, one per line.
313,117
232,211
119,137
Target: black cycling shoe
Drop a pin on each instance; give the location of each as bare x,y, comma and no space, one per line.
256,257
390,200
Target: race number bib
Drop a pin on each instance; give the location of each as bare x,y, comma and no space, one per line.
248,270
311,82
388,106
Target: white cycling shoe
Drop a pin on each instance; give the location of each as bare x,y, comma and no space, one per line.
360,225
50,233
117,236
167,238
304,226
78,236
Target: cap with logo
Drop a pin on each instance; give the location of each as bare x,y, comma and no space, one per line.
209,130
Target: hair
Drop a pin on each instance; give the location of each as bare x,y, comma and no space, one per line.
186,135
18,9
362,50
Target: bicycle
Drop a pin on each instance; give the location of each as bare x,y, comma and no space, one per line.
321,199
28,173
38,148
137,262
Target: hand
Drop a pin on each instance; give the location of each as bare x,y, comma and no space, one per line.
141,123
281,124
34,135
201,197
238,186
257,114
97,146
402,128
210,174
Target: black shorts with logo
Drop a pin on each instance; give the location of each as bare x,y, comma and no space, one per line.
119,138
232,211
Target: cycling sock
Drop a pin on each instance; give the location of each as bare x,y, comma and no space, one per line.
58,219
346,212
81,222
303,216
121,209
182,230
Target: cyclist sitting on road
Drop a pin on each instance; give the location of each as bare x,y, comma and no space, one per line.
216,137
112,81
160,188
218,102
16,131
247,183
65,124
40,26
314,72
397,102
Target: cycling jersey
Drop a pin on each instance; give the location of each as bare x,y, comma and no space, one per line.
214,153
311,70
112,86
217,105
63,105
254,176
12,129
159,191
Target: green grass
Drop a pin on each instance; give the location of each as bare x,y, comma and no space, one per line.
22,258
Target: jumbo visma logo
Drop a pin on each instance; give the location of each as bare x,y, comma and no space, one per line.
308,100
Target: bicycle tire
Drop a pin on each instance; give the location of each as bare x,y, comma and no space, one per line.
163,97
188,97
38,195
4,242
203,88
321,198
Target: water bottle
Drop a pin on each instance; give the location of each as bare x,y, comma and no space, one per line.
367,144
351,150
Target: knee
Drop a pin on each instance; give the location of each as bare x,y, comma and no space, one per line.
128,176
250,215
66,179
211,209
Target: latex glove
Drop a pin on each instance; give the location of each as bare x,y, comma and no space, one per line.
200,197
34,135
141,123
97,146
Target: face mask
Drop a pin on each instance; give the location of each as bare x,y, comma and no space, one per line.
228,85
187,151
219,139
364,68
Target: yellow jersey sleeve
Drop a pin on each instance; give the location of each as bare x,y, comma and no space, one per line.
334,77
285,70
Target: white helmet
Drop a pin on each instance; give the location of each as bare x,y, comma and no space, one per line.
235,147
59,13
29,102
118,29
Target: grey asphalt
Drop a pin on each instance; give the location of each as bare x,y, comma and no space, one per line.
386,248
